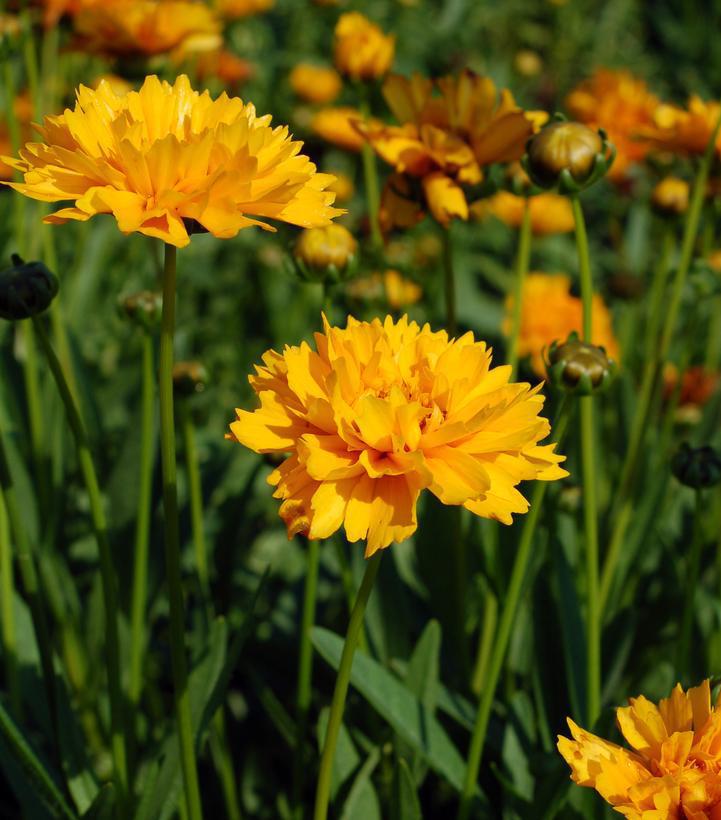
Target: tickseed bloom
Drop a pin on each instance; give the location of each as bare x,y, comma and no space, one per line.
671,771
684,131
380,411
315,84
670,196
146,27
330,249
444,141
361,50
157,157
391,286
621,104
234,9
550,313
550,213
224,66
340,127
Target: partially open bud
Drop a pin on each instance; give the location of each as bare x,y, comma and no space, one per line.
143,308
697,467
26,289
567,155
325,254
670,197
579,367
189,378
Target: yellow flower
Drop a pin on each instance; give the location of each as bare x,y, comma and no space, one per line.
233,9
361,51
622,105
672,769
550,213
315,84
156,157
339,126
224,66
684,131
380,411
23,111
550,313
670,196
146,27
319,248
391,285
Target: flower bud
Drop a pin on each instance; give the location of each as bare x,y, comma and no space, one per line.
697,467
579,367
325,254
670,197
26,289
569,155
143,308
189,378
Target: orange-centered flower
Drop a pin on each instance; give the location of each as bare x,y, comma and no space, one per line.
672,771
380,411
361,50
156,157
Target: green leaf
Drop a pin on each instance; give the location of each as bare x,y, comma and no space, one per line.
346,757
422,673
362,801
405,797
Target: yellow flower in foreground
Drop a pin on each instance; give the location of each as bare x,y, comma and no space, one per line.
550,313
314,83
550,213
156,157
684,131
361,50
672,769
382,410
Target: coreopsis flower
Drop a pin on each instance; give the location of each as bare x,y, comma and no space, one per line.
697,385
380,411
164,155
671,771
235,9
684,131
550,213
340,127
225,66
127,28
326,252
622,105
390,286
361,50
315,84
549,312
446,140
670,197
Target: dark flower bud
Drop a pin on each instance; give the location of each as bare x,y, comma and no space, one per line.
143,308
697,467
579,367
26,289
189,378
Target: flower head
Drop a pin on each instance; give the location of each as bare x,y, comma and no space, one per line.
670,196
380,411
621,104
224,66
156,157
672,769
550,213
685,131
361,50
390,286
315,84
550,313
340,126
325,252
234,9
23,112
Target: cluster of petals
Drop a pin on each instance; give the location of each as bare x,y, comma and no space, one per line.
549,312
684,131
671,772
445,140
623,106
361,50
166,157
380,411
549,213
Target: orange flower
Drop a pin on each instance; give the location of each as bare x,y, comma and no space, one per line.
550,313
623,106
397,290
361,51
225,66
339,126
697,385
315,84
550,213
380,411
671,771
234,9
684,131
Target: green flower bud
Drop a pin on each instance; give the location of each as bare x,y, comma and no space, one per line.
143,308
697,467
26,289
189,378
578,367
325,254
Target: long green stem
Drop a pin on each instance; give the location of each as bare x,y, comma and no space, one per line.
142,523
305,666
449,279
195,490
107,574
692,576
7,604
488,630
658,287
355,625
370,178
523,258
508,617
172,540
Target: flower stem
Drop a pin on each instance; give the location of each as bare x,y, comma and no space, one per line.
500,645
449,275
335,719
692,576
172,540
522,261
7,602
142,524
658,287
490,620
370,178
195,489
305,666
100,529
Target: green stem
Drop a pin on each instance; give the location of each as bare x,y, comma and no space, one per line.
658,287
305,667
523,258
621,522
449,278
370,178
142,523
35,412
107,574
488,630
7,603
692,576
195,489
224,766
355,625
505,627
584,268
172,540
713,345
